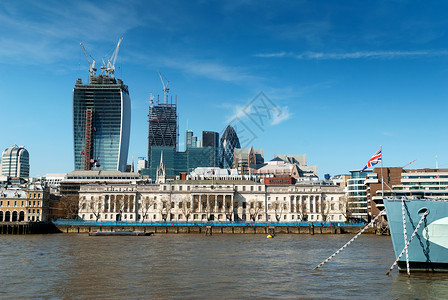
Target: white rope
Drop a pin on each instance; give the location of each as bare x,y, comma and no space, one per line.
349,242
407,244
405,233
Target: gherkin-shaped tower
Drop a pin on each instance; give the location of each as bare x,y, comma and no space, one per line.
229,141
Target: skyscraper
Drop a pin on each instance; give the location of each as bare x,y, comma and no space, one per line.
211,139
15,162
229,141
101,123
162,126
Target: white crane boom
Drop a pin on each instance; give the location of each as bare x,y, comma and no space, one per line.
110,66
166,89
92,69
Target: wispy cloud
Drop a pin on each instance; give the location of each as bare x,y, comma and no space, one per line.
39,32
281,115
353,55
210,69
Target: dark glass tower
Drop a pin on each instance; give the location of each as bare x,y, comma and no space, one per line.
229,141
101,123
162,127
211,139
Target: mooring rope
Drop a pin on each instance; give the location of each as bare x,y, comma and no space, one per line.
405,233
408,242
349,242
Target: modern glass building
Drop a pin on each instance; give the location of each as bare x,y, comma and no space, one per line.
162,127
178,162
357,194
15,162
211,139
229,141
101,123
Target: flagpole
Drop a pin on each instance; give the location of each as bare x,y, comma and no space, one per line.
382,178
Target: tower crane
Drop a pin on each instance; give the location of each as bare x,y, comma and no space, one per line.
166,89
92,69
109,68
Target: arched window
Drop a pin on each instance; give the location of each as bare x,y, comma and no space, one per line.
14,216
7,216
21,216
1,216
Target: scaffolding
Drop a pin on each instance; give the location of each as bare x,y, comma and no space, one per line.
88,138
162,126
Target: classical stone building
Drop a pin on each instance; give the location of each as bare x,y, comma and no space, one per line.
33,203
204,200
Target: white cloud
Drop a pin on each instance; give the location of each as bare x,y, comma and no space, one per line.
354,55
280,115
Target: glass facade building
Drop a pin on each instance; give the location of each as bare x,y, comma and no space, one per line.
101,124
15,162
211,139
178,162
229,141
357,194
162,127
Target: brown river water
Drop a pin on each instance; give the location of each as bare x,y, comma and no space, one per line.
64,266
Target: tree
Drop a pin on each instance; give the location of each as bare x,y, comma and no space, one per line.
70,206
119,206
255,208
228,209
165,208
186,207
145,205
345,207
302,211
325,210
278,209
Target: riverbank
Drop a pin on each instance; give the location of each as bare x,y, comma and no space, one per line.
206,228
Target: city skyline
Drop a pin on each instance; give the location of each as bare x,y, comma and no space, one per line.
341,79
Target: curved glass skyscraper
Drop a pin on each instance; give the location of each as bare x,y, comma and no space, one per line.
229,141
15,162
101,123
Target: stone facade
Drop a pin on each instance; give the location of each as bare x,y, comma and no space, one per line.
211,200
31,204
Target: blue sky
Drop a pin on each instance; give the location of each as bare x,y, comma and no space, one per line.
342,78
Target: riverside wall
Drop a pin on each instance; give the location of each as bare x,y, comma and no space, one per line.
44,228
210,230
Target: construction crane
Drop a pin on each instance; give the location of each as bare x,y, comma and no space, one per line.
408,164
166,89
109,68
92,69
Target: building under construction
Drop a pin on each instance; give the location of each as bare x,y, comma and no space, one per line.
101,120
162,126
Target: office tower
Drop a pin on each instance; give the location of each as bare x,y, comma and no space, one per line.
15,162
188,138
162,126
211,139
229,141
101,119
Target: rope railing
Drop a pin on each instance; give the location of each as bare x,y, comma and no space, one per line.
349,242
407,244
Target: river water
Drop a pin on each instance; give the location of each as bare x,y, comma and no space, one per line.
206,267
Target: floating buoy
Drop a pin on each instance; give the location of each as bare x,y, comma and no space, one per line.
269,237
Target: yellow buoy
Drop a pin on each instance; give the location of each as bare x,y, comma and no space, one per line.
269,237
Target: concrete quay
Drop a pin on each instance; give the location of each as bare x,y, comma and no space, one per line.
209,230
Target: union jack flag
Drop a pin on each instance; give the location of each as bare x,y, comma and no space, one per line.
376,158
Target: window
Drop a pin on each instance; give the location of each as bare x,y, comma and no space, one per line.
252,188
180,188
188,188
